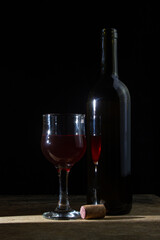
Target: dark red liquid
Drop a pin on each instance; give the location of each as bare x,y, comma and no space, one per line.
95,148
63,150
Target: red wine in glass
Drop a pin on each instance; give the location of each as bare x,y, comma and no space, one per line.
95,148
63,150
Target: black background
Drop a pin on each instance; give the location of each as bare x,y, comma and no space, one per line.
49,58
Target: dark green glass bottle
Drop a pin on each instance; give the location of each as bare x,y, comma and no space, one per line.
109,101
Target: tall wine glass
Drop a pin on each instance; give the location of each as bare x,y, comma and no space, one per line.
63,144
95,143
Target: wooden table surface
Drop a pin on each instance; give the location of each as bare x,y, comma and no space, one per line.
21,218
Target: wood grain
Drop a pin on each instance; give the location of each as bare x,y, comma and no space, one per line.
21,218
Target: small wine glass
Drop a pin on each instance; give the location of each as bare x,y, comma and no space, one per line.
63,144
95,143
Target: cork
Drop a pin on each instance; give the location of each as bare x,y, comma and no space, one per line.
92,211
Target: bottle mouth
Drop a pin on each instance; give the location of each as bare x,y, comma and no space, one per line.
110,32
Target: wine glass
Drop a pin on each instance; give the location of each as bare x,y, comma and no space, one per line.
95,143
63,144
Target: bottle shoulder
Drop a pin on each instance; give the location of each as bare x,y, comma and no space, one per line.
122,89
109,88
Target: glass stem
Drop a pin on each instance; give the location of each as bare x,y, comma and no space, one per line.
95,184
63,203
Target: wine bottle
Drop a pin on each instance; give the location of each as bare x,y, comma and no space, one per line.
109,101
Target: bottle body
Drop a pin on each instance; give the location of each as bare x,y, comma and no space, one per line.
110,101
114,166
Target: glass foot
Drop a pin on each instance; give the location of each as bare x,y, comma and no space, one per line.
62,215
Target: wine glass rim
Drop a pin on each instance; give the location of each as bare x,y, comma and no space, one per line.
64,114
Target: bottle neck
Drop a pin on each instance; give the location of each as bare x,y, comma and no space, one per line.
109,64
